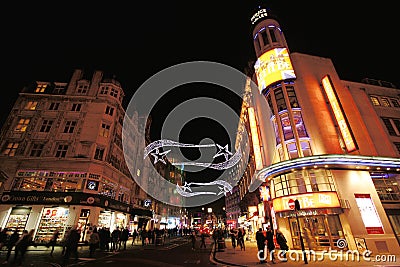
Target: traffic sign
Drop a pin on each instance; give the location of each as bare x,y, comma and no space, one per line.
291,204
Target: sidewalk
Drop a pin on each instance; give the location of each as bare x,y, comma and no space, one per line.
248,258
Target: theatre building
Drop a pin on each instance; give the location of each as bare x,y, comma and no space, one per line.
62,161
330,144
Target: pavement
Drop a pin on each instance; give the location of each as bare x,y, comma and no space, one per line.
248,257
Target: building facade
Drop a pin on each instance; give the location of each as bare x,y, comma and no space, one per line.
330,144
63,164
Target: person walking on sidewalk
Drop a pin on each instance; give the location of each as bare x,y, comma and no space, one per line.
240,239
11,243
124,237
71,244
134,236
233,235
203,240
270,244
282,242
260,239
53,241
193,240
22,245
94,242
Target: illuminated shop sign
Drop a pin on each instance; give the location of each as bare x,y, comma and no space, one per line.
272,66
254,138
369,215
339,115
264,193
315,200
262,13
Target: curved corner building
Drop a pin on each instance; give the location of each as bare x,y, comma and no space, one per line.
326,143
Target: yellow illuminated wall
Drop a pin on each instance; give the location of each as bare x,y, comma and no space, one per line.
255,139
337,111
272,66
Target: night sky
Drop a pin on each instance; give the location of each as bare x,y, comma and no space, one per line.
135,39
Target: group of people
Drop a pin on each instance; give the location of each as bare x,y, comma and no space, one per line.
19,243
266,239
238,237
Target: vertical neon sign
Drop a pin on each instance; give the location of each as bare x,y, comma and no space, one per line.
255,139
339,116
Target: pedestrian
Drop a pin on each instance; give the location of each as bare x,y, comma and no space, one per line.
124,237
260,239
22,245
11,243
193,240
233,238
203,240
282,242
240,239
270,244
134,236
143,236
53,241
309,239
71,245
3,238
115,239
94,242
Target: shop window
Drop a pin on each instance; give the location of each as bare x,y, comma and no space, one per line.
386,186
17,219
53,219
31,105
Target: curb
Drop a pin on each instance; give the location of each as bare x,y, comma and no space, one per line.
216,261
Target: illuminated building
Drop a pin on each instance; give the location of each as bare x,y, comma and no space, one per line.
331,144
61,151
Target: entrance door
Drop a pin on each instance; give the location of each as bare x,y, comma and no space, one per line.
325,230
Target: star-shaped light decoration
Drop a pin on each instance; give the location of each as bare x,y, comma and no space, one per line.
159,156
223,151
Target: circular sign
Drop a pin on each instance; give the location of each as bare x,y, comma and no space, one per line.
291,204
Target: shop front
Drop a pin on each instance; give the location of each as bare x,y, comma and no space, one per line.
317,221
47,212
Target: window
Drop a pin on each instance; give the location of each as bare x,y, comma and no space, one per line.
114,92
37,150
61,151
82,89
272,34
395,103
54,106
31,105
46,126
264,37
389,126
375,101
109,110
397,144
99,153
22,124
10,149
76,107
105,130
59,89
385,102
104,90
69,126
40,88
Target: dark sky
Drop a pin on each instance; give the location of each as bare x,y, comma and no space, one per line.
136,39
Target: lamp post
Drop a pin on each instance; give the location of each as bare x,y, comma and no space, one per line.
297,208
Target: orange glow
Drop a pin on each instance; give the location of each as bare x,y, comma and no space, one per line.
255,140
272,66
308,201
337,111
